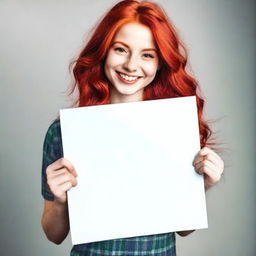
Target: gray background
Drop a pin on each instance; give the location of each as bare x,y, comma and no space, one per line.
39,39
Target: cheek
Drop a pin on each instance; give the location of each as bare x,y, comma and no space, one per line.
106,69
111,64
108,65
113,60
151,69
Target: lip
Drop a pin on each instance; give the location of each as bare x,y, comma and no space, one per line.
125,81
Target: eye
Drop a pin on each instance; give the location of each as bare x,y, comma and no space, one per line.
120,49
148,56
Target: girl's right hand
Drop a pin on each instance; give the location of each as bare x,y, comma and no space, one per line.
61,176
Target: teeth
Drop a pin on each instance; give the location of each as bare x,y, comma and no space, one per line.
128,78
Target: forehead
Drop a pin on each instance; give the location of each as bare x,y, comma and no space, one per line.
135,35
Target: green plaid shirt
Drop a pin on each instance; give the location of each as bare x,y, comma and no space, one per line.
154,245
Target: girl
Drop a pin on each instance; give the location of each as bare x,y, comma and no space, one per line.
133,55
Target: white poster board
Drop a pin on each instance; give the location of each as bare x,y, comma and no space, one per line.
134,165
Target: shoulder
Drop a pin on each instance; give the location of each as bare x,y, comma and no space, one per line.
53,134
54,129
53,141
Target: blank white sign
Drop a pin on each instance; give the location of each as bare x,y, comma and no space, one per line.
134,165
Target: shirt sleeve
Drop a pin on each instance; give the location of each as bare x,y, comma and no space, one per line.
52,151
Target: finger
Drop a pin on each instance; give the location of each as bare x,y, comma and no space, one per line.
62,178
66,186
212,174
62,189
61,163
53,173
201,166
199,157
215,159
211,158
206,150
207,153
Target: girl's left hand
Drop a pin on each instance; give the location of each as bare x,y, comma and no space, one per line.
209,163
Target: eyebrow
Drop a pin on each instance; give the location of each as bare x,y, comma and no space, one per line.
127,46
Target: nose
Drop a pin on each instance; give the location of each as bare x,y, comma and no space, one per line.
131,64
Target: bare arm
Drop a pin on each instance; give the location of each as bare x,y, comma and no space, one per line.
55,221
61,176
209,164
185,233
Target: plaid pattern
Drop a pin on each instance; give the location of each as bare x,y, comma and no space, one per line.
153,245
52,151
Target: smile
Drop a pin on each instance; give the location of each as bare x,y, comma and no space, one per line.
128,78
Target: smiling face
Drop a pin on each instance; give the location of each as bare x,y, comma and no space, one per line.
131,63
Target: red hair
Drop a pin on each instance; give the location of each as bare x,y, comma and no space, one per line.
172,80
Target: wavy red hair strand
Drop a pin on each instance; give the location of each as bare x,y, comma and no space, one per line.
172,79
